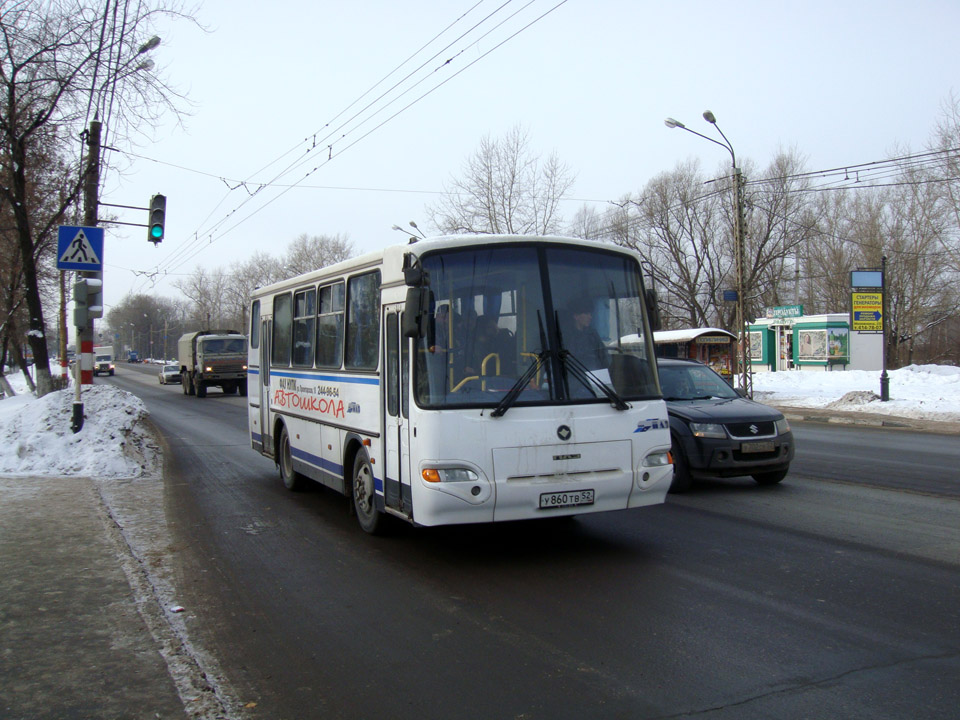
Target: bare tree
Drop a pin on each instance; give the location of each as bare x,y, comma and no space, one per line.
779,223
588,224
504,189
307,253
259,270
62,62
679,233
946,142
828,255
220,298
209,294
139,322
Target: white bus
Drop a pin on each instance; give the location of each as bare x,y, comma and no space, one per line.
464,379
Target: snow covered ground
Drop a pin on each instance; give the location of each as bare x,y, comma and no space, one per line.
930,392
36,439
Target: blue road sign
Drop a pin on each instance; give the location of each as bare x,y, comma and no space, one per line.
867,315
80,248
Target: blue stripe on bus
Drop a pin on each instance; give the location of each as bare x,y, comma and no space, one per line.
327,378
317,461
328,466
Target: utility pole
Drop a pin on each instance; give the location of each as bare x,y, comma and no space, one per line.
884,377
743,357
62,322
91,185
739,250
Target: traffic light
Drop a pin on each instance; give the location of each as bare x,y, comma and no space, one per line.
87,300
158,212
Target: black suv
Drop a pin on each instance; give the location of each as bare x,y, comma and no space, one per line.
717,433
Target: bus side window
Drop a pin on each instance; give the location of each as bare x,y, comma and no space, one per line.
363,321
282,330
255,325
330,326
304,326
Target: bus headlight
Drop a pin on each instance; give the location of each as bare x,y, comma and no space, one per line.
657,459
454,474
461,482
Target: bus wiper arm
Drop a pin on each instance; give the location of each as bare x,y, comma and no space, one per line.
588,378
511,397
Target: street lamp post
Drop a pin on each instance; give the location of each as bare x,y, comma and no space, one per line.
743,346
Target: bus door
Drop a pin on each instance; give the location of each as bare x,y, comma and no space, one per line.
396,407
266,337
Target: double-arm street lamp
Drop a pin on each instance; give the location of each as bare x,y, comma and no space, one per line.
743,345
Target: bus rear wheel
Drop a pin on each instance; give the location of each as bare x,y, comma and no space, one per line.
364,495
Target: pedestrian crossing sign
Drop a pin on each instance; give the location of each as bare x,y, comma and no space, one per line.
80,248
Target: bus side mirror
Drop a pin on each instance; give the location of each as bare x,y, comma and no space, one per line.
416,311
413,275
653,309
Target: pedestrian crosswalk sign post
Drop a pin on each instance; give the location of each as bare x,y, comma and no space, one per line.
80,248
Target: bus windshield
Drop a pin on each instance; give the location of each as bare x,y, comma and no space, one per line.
542,324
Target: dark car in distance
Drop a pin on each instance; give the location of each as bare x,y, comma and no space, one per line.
717,433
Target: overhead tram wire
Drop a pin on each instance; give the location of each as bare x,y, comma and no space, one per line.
410,89
407,77
312,137
197,233
920,160
889,167
212,239
321,142
381,124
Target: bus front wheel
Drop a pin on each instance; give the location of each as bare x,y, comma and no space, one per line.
364,495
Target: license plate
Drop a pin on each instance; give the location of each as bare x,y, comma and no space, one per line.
757,447
570,498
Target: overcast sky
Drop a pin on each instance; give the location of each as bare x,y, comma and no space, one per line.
842,82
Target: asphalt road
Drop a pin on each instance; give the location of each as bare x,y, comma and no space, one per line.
833,595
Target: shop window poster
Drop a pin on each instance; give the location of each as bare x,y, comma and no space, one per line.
838,343
829,344
813,345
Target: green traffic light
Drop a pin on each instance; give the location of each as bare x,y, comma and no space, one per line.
156,231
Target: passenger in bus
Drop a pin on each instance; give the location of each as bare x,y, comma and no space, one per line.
581,338
441,336
490,339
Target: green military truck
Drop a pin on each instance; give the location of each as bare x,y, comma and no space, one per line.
213,358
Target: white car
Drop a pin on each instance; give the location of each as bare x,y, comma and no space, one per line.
170,374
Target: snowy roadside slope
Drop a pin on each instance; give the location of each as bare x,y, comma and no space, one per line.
930,392
36,438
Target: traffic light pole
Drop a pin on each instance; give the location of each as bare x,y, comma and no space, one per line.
85,359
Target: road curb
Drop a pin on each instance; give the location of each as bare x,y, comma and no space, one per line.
894,422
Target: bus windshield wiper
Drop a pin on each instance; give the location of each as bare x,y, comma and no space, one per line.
511,397
572,364
582,373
